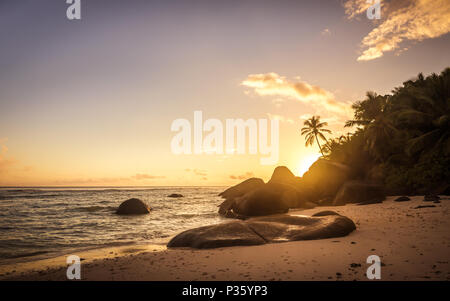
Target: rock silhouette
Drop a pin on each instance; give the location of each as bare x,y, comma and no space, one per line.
175,195
283,175
323,179
269,199
242,188
261,230
133,206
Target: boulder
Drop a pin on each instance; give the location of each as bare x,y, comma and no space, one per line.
175,195
225,208
359,192
283,175
223,235
323,179
133,206
266,199
261,230
242,188
402,199
279,228
269,199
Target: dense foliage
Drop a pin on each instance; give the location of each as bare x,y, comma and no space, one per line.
402,139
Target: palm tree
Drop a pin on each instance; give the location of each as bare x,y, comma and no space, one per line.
368,109
314,129
426,111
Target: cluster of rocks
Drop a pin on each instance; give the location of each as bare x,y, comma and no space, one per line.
261,208
325,184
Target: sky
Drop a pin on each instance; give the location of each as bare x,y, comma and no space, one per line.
91,102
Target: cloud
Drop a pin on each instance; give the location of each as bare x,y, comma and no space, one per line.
243,176
325,32
401,21
141,176
197,172
353,8
88,181
5,160
275,85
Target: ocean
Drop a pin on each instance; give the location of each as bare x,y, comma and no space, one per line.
46,222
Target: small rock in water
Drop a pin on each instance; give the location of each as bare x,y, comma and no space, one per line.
133,206
175,195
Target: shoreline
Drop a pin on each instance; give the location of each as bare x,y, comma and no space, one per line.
413,244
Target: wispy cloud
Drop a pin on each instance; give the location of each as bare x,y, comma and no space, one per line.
401,21
353,8
197,172
326,32
243,176
273,84
142,176
5,160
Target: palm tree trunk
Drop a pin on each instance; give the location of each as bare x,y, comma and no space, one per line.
320,148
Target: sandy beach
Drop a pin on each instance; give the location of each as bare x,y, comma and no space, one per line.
413,244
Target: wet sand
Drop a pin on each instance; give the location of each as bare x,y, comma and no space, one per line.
413,244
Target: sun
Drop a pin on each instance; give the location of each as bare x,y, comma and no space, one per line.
306,163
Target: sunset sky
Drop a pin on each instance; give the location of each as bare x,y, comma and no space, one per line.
90,102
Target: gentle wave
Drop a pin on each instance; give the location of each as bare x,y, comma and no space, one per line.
38,222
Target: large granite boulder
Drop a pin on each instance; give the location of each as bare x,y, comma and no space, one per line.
235,233
133,206
226,207
323,180
242,188
283,175
271,198
261,230
359,192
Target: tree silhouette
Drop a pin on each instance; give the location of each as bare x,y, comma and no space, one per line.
314,129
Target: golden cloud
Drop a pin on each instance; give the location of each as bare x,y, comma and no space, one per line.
141,176
402,21
5,161
243,176
273,84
